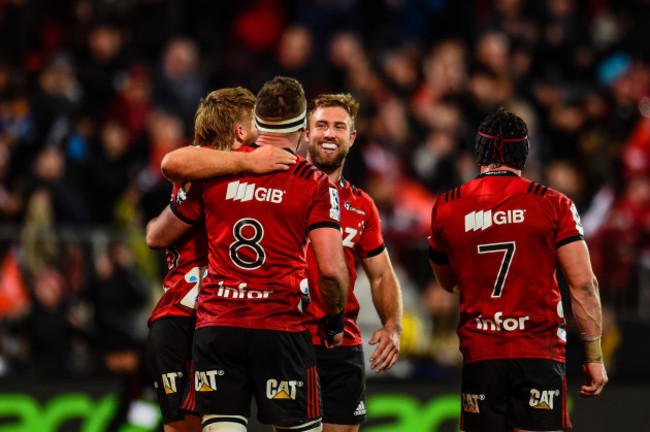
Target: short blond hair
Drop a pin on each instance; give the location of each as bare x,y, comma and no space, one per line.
343,100
217,115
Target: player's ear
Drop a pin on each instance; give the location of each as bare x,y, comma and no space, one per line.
240,132
353,136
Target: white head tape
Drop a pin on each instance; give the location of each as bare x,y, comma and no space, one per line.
283,126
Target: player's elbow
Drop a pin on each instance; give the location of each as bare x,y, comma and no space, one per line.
154,241
171,169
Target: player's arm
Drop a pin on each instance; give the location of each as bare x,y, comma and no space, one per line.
387,298
333,279
165,229
585,302
194,163
442,270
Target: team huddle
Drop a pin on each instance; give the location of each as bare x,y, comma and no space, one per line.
263,247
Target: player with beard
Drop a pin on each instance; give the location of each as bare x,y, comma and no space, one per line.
224,119
330,135
250,339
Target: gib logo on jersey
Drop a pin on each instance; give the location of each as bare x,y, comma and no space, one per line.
246,192
484,219
282,389
206,381
470,402
542,399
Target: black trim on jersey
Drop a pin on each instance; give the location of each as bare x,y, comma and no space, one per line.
452,194
310,172
214,420
537,188
497,173
324,225
180,216
530,186
299,166
438,257
569,240
254,145
304,170
376,251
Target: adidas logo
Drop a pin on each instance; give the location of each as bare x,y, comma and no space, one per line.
483,219
238,191
361,409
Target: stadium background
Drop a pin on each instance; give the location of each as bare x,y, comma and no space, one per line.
94,93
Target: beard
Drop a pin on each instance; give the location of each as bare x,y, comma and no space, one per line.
327,162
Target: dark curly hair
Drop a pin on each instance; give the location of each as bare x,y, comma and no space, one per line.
502,140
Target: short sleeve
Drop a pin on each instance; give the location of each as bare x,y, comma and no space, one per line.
326,207
371,242
569,225
187,203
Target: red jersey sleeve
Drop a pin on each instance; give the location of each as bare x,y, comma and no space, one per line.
371,242
187,205
569,225
326,208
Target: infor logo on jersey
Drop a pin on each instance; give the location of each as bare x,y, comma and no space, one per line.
484,219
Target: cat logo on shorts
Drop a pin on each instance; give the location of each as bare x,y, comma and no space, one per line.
470,402
169,381
542,399
205,381
282,389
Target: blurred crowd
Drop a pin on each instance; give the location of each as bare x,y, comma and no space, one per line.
93,94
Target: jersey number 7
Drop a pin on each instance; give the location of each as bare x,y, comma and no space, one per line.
508,249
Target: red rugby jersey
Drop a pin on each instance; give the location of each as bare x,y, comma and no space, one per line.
187,260
500,233
361,230
257,228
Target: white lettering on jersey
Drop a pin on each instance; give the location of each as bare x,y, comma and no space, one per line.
243,192
335,205
576,217
498,323
484,219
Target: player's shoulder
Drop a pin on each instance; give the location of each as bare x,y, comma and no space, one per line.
305,170
345,186
451,195
543,192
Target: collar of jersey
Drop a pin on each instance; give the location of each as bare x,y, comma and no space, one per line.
497,173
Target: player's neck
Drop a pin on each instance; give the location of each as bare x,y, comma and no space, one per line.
281,140
492,168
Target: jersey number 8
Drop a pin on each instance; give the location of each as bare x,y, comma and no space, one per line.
248,234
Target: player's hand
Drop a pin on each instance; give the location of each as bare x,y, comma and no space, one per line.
595,379
330,330
387,351
333,341
267,159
